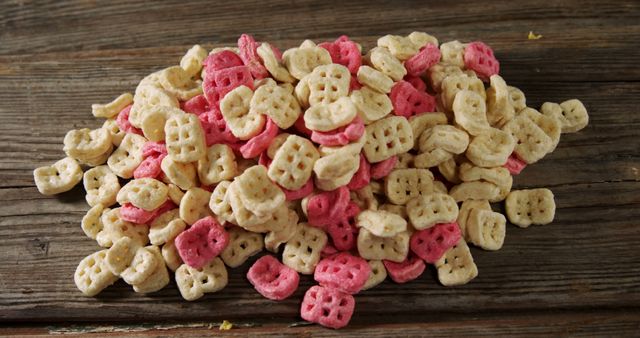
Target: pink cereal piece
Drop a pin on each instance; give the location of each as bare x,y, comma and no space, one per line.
133,214
341,136
344,232
354,84
273,279
428,56
408,101
345,52
266,161
362,177
196,105
301,128
343,272
220,82
123,122
164,207
249,55
202,242
221,60
407,270
149,167
514,164
327,307
277,52
291,195
328,207
328,251
416,82
431,243
260,142
479,58
384,168
215,128
154,149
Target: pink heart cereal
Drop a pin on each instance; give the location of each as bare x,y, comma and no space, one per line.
514,164
405,271
327,207
343,272
249,55
479,58
202,242
408,101
345,52
344,232
220,82
327,307
215,129
149,167
418,64
384,168
273,279
431,243
221,60
196,105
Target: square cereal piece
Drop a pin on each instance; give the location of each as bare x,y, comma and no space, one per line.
533,206
387,137
456,266
404,184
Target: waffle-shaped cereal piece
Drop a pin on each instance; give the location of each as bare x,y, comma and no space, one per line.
242,245
381,223
420,39
236,110
273,65
378,274
470,112
219,202
491,148
258,193
144,193
440,71
194,283
243,216
371,104
114,228
421,122
372,247
142,265
549,125
83,144
60,177
387,137
116,134
452,84
101,186
121,254
382,60
124,160
408,101
111,109
405,271
193,59
532,142
404,184
465,209
453,53
159,277
449,170
171,256
343,272
218,164
399,46
327,117
476,190
179,83
154,120
302,61
149,94
364,198
486,229
327,84
499,176
195,205
183,175
327,307
374,79
429,209
91,223
456,266
533,206
274,239
185,138
445,137
302,251
165,227
431,158
518,100
572,115
273,279
92,274
277,103
479,58
500,107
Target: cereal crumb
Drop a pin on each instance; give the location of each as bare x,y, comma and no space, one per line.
534,36
226,325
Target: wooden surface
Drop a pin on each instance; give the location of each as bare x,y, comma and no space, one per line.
579,275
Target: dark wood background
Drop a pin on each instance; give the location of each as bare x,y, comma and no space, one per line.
579,275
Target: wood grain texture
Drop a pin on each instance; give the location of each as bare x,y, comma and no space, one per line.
579,275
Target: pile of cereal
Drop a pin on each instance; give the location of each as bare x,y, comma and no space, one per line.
344,166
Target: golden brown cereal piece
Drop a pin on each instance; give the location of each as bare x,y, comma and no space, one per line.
374,79
371,104
236,110
574,116
465,209
405,161
194,283
154,119
276,102
399,46
491,148
486,229
446,137
243,216
532,142
387,137
422,122
438,186
274,239
518,100
150,93
101,186
91,223
382,60
218,164
185,138
327,117
476,190
271,63
192,60
439,72
92,274
453,53
195,205
145,193
166,227
242,245
159,277
549,125
180,174
302,61
179,83
124,160
219,203
115,228
533,206
372,247
328,83
452,84
470,112
171,256
500,107
430,209
449,169
381,223
60,177
456,266
258,193
364,198
83,144
302,251
404,184
431,158
420,39
377,276
112,108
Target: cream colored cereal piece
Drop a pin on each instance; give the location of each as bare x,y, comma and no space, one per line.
399,210
517,98
276,102
192,60
220,49
271,63
449,170
327,117
456,266
101,186
476,190
399,46
194,283
145,193
302,61
371,104
274,239
302,251
276,143
339,165
115,228
499,176
60,177
549,125
387,137
439,72
382,60
465,210
243,216
236,110
171,256
470,112
276,221
83,144
219,203
328,83
574,116
374,79
166,227
364,198
445,137
552,109
401,185
452,84
183,175
159,277
453,53
121,254
431,158
405,160
258,193
293,163
372,247
242,245
92,274
195,205
112,108
532,142
500,109
333,183
421,39
185,138
179,83
378,274
352,148
152,79
438,186
98,160
422,122
486,229
302,91
491,148
147,95
91,223
124,160
175,194
154,119
218,164
533,206
116,134
381,223
430,209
